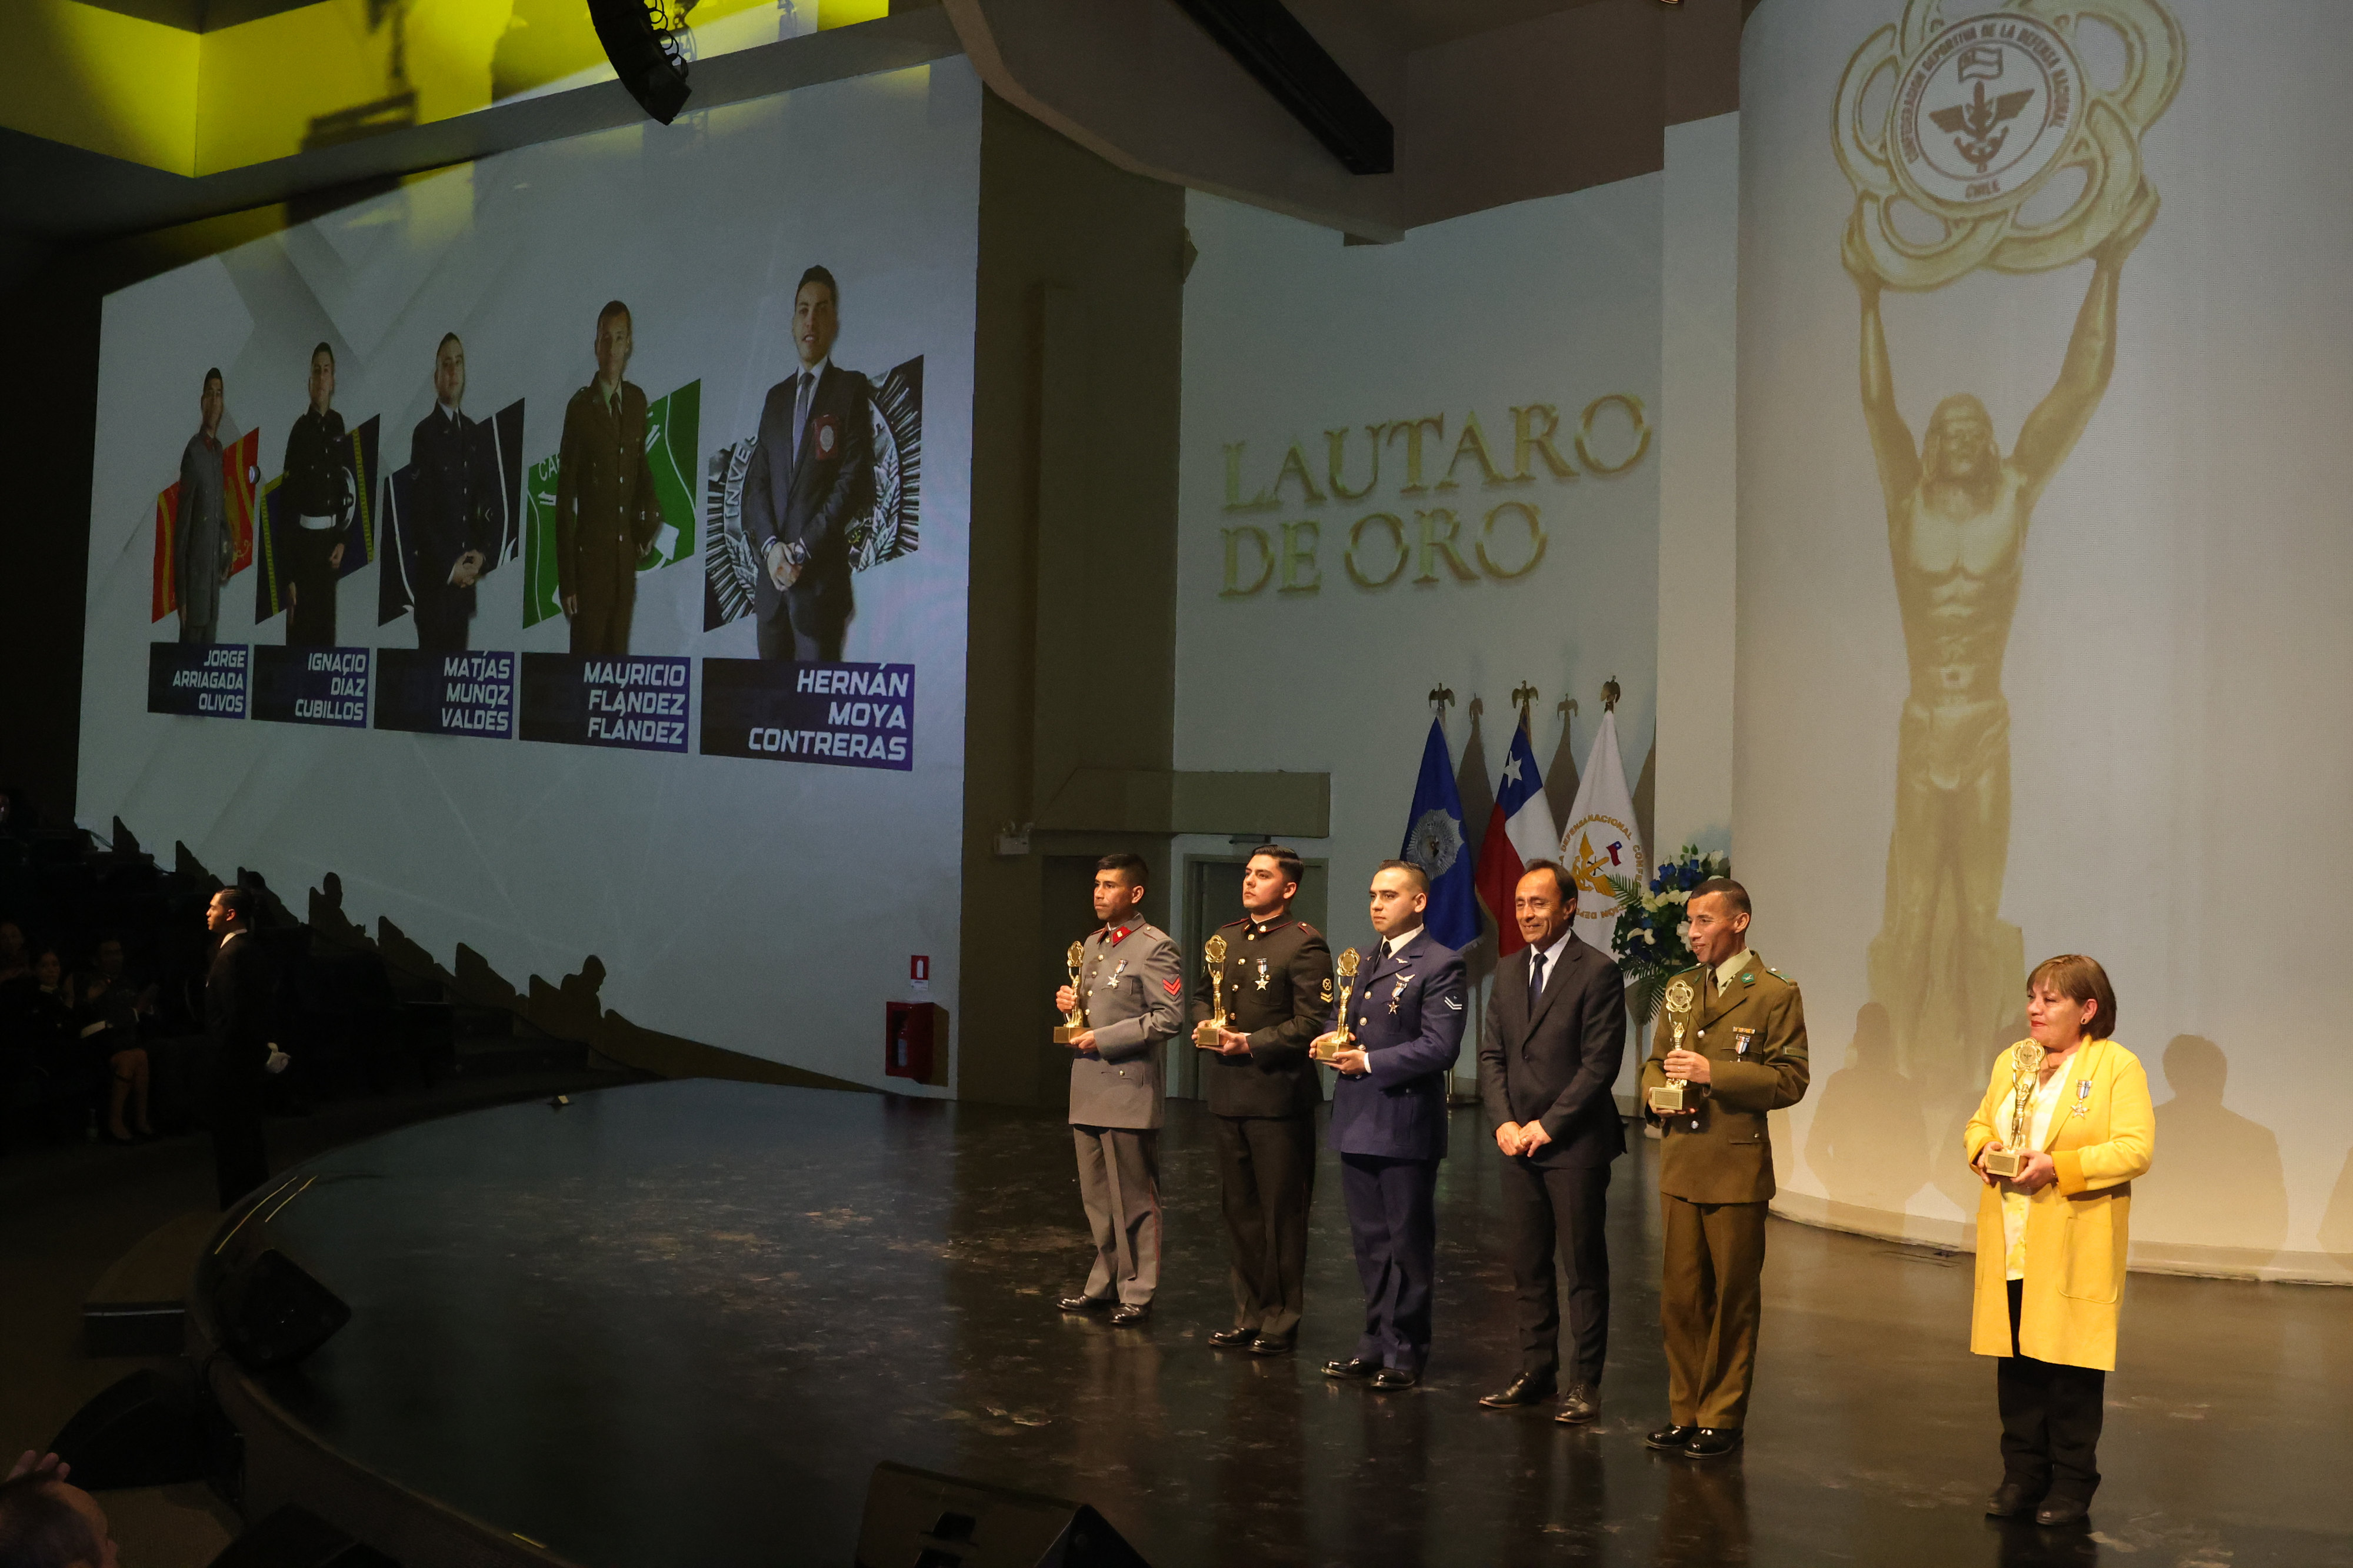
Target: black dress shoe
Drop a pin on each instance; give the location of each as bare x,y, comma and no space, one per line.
1712,1442
1528,1388
1267,1345
1670,1438
1356,1366
1390,1379
1580,1405
2063,1510
1129,1316
2012,1497
1232,1339
1083,1303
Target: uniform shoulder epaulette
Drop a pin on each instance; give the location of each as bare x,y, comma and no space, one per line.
1310,929
1779,975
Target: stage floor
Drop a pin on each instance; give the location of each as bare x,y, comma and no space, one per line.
680,1322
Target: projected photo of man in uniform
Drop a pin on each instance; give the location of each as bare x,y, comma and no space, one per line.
812,473
317,495
458,508
605,510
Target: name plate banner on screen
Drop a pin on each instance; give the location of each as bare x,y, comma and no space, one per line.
845,715
638,703
199,680
433,693
311,685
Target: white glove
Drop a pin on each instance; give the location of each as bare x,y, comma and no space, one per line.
276,1062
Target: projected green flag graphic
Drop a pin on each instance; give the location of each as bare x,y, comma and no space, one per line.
673,425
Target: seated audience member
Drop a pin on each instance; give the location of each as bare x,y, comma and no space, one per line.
47,1522
40,1028
14,964
107,1008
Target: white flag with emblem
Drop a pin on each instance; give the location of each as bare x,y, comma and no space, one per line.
1601,840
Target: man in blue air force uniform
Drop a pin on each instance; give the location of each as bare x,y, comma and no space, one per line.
1405,1013
1133,985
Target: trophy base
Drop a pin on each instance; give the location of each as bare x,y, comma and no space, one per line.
1205,1033
1065,1033
2004,1163
1675,1099
1328,1055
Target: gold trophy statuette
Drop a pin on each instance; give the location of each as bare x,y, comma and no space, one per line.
1675,1098
2025,1071
1075,1025
1340,1040
1205,1034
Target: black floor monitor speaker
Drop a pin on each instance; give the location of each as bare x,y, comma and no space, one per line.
144,1431
273,1314
916,1519
294,1537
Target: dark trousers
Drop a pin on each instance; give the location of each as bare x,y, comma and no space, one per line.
1710,1302
240,1158
1558,1211
782,637
2051,1417
601,629
443,616
311,621
1393,1220
1268,1163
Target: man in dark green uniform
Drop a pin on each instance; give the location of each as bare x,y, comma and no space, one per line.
1274,984
605,510
1731,1042
317,500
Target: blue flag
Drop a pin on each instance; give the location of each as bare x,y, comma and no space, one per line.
1433,841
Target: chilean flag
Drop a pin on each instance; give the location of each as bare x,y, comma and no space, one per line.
1520,830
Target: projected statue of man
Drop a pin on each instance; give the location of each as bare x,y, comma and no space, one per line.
1948,969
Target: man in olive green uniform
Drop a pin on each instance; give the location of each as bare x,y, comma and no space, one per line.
605,510
1276,983
1742,1052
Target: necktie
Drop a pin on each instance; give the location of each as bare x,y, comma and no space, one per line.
800,410
1536,978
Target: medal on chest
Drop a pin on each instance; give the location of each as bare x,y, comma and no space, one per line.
1262,975
1741,1040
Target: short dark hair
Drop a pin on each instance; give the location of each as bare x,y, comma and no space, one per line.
2080,979
1287,858
1560,879
820,275
613,308
1724,885
447,339
1131,866
327,349
1408,868
213,375
237,902
39,1527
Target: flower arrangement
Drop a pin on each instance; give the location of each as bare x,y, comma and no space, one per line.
1653,938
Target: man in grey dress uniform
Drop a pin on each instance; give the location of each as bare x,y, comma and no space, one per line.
200,543
1133,985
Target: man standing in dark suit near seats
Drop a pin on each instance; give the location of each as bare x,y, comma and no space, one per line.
1276,983
605,510
1131,986
1404,1015
1549,1053
237,1003
457,511
812,474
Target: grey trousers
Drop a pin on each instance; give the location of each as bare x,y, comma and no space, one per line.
1119,1182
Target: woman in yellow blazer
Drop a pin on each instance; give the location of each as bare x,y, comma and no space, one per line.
2051,1242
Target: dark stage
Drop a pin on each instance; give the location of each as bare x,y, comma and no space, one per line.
679,1323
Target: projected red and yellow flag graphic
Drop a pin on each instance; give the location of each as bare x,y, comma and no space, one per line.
241,465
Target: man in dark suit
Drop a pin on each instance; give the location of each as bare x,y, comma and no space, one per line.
1274,981
1396,1034
1555,1036
812,474
605,510
236,1005
458,512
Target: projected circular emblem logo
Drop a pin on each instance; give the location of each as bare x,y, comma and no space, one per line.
1435,842
1985,112
1955,135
